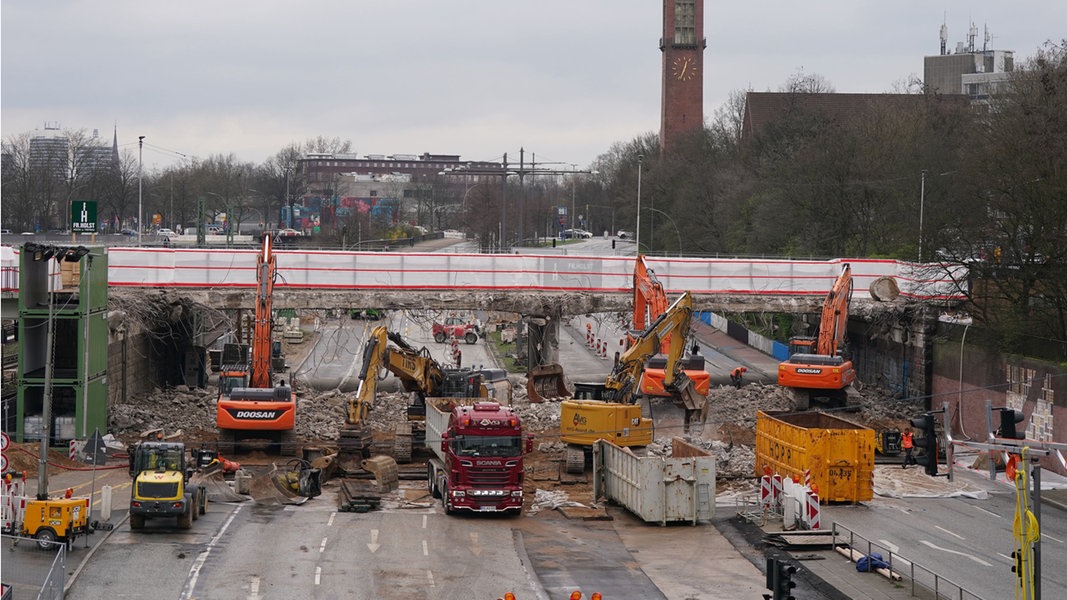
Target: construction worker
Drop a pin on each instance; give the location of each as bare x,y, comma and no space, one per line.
737,375
907,444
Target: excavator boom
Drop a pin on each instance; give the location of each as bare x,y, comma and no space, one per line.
825,374
650,301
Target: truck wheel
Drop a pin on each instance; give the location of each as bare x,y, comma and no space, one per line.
203,501
185,521
136,521
471,337
431,482
445,501
439,337
45,538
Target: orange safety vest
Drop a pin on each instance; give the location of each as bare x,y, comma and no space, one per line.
738,371
906,440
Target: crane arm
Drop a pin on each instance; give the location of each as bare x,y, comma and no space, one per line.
625,378
834,320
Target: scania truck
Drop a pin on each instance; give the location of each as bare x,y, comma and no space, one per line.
478,449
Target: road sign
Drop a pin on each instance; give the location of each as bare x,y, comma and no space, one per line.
4,441
83,216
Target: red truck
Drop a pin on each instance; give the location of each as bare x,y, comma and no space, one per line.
455,327
478,449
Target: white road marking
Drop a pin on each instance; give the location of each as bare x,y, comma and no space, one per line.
194,572
956,552
890,546
1006,557
475,548
425,548
429,578
253,588
991,513
373,545
318,575
1046,536
322,546
330,522
956,535
424,521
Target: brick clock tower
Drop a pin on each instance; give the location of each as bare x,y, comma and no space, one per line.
682,46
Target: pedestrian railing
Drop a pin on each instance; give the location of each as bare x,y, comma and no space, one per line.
922,581
35,568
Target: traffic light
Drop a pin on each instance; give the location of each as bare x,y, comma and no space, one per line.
784,582
1008,419
928,442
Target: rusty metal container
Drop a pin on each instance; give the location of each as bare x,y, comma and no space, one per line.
838,453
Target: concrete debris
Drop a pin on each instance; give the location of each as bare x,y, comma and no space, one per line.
729,433
551,500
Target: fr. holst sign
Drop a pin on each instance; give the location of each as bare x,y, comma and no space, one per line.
83,216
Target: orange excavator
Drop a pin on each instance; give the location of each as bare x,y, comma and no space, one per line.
255,407
816,371
650,301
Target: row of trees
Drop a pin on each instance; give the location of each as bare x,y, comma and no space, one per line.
933,179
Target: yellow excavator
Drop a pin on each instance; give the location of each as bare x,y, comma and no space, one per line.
610,411
422,377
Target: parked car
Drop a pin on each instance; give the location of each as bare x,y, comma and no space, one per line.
288,233
213,228
164,232
128,231
624,235
575,234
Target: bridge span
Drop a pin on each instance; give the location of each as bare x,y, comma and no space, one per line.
530,284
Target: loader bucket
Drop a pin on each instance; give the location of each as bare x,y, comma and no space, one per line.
277,487
213,480
545,383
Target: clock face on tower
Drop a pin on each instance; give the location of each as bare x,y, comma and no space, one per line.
683,69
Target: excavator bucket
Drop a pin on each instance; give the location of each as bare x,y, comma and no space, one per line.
353,446
546,383
278,487
694,404
213,479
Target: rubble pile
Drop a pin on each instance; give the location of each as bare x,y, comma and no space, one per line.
729,431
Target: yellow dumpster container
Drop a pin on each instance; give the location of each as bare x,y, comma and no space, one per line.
838,453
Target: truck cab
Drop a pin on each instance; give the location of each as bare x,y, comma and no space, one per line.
479,458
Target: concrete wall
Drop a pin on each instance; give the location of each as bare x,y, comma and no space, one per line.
1037,388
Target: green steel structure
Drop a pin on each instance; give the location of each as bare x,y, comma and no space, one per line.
63,343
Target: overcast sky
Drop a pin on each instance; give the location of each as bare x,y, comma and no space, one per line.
565,79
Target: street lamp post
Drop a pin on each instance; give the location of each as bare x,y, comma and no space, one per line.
922,200
637,234
675,225
140,172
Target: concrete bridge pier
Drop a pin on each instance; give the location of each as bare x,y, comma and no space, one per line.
542,339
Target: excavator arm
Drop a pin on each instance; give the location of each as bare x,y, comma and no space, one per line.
623,382
650,300
835,314
416,369
266,272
